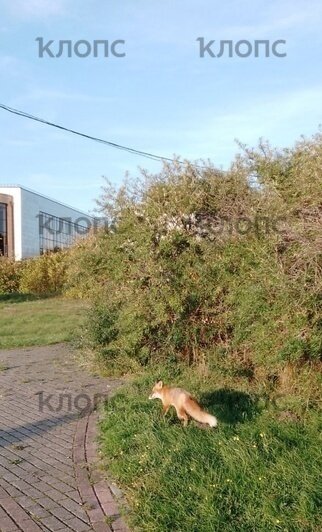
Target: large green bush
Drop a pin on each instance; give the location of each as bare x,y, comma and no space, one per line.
211,267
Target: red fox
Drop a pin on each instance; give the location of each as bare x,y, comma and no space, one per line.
183,402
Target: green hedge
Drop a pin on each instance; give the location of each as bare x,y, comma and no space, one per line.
208,267
41,275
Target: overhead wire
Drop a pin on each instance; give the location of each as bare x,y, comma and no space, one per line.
128,149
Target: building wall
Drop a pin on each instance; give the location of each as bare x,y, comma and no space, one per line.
15,192
27,205
7,236
31,205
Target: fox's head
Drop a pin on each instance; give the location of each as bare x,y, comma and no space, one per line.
156,391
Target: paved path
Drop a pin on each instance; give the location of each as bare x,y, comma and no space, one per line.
49,479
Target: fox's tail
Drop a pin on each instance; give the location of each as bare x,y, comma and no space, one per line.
195,411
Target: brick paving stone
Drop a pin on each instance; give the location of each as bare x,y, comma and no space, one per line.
25,502
45,452
77,525
37,511
53,524
29,526
101,527
120,526
7,525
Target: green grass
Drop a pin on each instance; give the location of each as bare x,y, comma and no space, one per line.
256,472
26,320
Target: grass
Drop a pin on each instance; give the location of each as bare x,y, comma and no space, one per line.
27,320
259,471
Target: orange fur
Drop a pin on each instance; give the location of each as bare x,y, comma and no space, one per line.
183,402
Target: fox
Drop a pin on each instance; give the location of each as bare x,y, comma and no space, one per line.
183,402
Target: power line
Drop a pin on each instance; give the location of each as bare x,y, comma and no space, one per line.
96,139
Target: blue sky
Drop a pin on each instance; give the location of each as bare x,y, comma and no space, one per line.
162,97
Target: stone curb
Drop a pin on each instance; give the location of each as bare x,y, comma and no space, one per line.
95,492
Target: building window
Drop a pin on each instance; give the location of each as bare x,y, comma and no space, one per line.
3,230
59,233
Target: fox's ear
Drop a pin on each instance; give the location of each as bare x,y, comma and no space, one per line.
159,384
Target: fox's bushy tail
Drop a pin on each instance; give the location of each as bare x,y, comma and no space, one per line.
195,411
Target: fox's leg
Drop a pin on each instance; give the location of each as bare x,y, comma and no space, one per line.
182,416
165,410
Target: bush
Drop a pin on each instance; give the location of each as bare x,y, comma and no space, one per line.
199,269
102,322
44,274
10,272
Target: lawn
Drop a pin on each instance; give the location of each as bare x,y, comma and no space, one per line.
26,320
259,471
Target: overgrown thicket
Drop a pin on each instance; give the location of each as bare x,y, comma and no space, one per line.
10,273
211,268
39,275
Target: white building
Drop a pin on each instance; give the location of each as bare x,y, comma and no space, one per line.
31,224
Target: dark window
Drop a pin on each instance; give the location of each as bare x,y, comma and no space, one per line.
3,230
59,233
